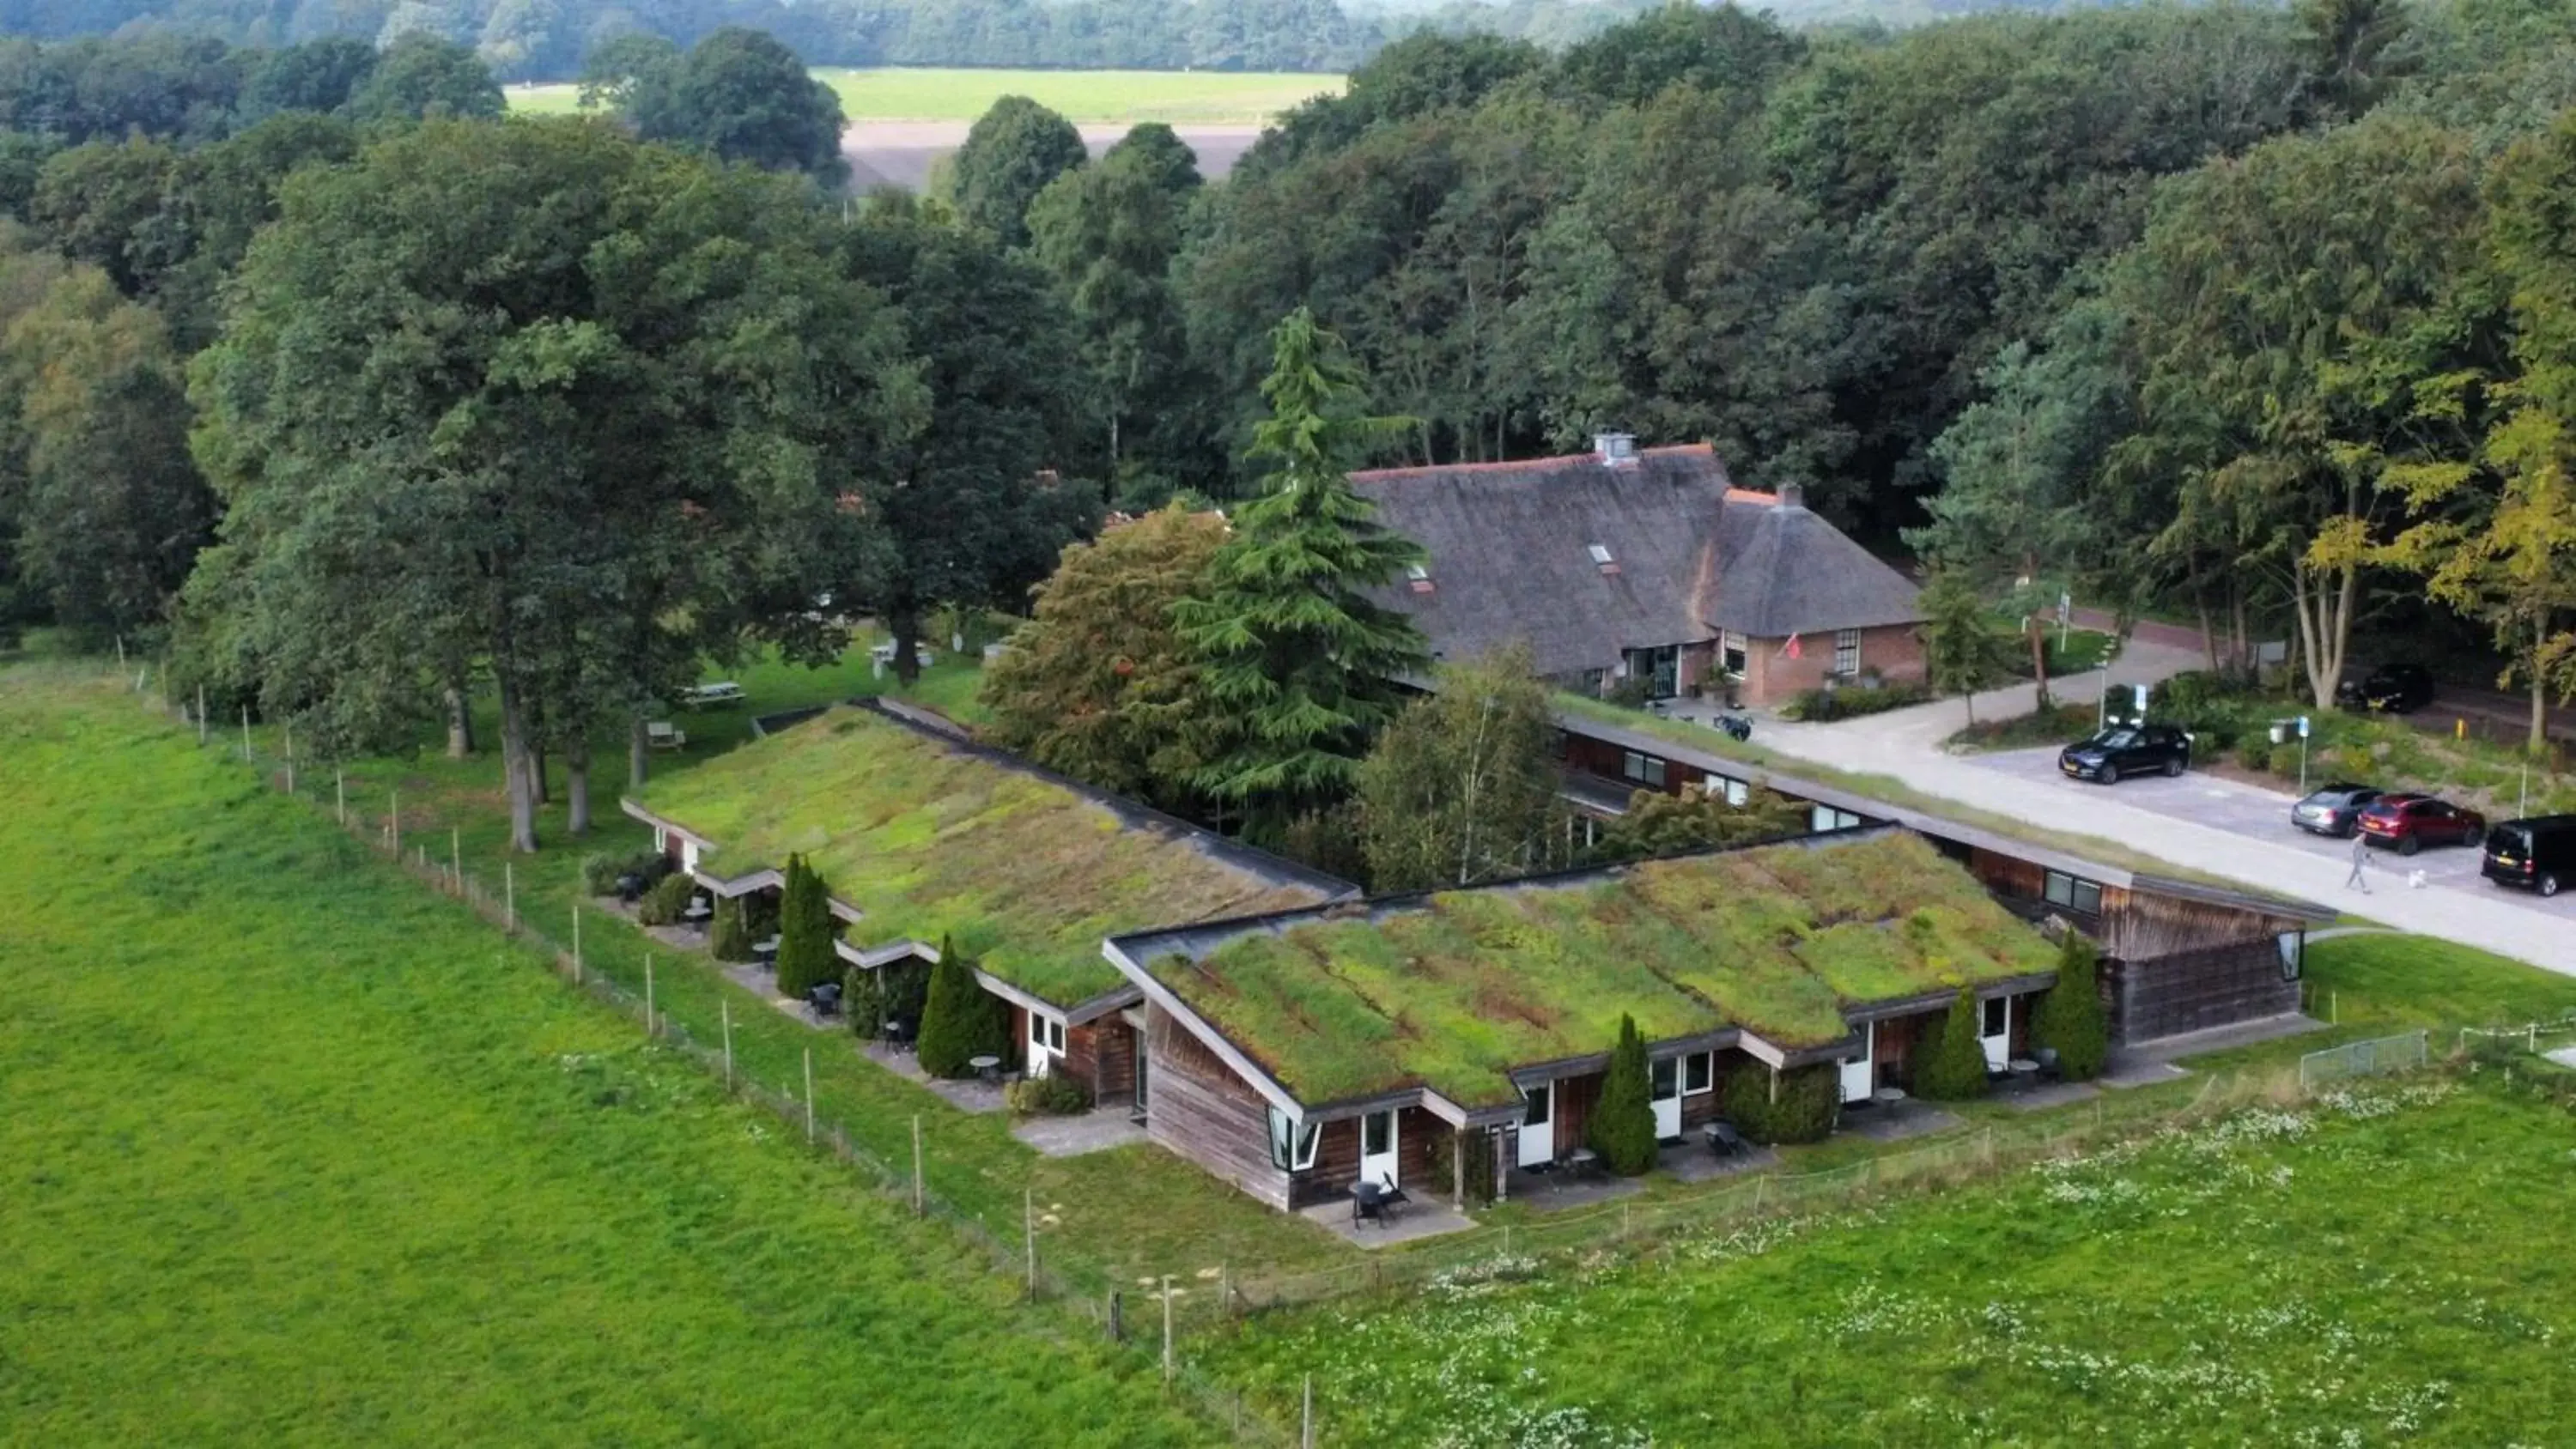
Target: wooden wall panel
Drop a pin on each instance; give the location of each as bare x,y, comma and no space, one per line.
1201,1110
2197,990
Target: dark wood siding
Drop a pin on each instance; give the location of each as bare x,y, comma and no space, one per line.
1200,1109
2141,926
1102,1055
1609,761
2196,990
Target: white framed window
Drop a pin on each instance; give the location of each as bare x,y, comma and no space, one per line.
1732,654
1699,1073
2073,892
1735,791
1846,651
1292,1142
1998,1011
1600,553
1642,768
1823,818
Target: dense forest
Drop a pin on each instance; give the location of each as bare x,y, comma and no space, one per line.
2256,313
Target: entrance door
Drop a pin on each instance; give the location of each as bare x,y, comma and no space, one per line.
1861,1077
1377,1148
1667,1098
1995,1031
1538,1126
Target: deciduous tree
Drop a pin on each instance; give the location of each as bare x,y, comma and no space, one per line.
1011,152
1461,788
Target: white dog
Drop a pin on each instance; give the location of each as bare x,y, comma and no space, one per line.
2415,879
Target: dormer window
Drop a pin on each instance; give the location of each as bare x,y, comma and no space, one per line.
1418,578
1601,557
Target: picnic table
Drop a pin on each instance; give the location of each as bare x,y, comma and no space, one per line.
661,734
722,691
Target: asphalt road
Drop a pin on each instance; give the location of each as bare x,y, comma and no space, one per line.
2264,815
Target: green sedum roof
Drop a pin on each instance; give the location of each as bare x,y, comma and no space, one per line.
931,838
1455,992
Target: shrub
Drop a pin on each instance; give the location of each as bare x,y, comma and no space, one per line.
2255,754
669,897
1850,701
1800,1110
1051,1096
805,933
600,872
2071,1020
1622,1125
1954,1070
2284,760
729,936
863,1000
961,1020
896,989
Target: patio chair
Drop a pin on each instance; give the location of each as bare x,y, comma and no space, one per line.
1724,1140
2050,1069
1368,1204
823,1002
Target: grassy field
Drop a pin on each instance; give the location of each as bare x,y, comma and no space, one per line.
296,1152
2393,1265
906,94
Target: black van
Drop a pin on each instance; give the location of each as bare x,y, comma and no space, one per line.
2539,853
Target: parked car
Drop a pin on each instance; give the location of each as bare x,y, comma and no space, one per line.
2333,809
2408,822
2122,750
2391,689
2538,853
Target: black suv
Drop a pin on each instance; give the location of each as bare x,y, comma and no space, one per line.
2127,750
2539,853
2391,689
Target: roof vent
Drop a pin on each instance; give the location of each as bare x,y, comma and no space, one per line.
1617,450
1792,495
1418,577
1601,556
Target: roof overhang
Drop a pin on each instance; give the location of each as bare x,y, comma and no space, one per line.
1117,997
742,885
635,810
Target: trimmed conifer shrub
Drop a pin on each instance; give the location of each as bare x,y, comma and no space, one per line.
729,938
805,932
1622,1126
1953,1066
1800,1107
2071,1020
961,1021
669,897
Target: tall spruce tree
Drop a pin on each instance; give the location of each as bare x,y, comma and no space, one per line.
1299,659
960,1021
1622,1125
2071,1021
1953,1068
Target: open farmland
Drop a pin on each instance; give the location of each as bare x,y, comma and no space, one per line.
2390,1265
1126,96
297,1152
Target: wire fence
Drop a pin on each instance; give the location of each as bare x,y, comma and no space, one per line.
2379,1056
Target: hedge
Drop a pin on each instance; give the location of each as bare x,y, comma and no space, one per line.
2071,1021
961,1021
1801,1110
1622,1125
1954,1070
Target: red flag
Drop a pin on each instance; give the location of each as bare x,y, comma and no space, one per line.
1792,650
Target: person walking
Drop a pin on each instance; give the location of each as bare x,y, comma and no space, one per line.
2360,863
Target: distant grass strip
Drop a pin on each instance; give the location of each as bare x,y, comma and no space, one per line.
1094,96
296,1153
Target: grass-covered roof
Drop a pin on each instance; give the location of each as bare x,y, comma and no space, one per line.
931,838
1456,991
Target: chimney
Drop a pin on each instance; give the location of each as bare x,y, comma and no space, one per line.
1793,495
1617,450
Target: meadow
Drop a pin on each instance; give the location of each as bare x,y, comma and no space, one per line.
927,94
2387,1264
297,1152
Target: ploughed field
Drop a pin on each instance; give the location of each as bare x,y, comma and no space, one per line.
295,1151
2390,1264
935,94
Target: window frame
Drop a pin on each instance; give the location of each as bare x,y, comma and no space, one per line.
1991,1008
1641,768
2076,888
1705,1065
1294,1141
1846,651
1733,653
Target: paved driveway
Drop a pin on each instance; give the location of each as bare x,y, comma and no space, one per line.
2240,832
2264,815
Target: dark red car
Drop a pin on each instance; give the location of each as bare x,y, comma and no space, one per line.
2410,822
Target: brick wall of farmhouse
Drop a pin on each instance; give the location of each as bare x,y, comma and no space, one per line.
1891,651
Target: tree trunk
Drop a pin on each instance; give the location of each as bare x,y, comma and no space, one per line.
460,722
2208,630
537,771
2538,744
638,751
577,785
903,624
2240,634
515,773
2324,604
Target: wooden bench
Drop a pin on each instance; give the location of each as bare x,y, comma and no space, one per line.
663,735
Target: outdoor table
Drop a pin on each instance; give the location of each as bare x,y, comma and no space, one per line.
1888,1096
2023,1067
985,1067
1582,1160
696,913
765,952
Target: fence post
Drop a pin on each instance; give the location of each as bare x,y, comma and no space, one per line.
393,823
576,945
2334,1007
290,759
1990,1149
509,897
725,1006
916,1164
809,1096
201,714
1306,1417
340,795
649,1033
1167,1328
1028,1226
120,654
1760,1180
456,858
1507,1240
1117,1317
245,734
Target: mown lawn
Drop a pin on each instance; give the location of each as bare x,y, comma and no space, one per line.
933,94
2391,1266
296,1152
